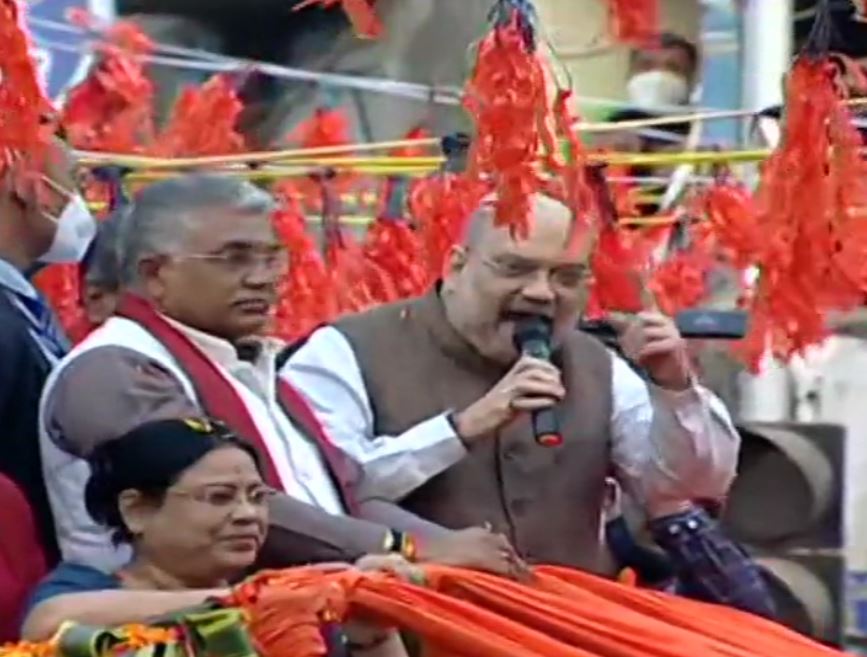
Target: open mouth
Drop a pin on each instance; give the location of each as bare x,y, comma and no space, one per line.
253,306
521,315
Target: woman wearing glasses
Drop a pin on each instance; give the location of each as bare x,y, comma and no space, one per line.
188,496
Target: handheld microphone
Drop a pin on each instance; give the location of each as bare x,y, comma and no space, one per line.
533,338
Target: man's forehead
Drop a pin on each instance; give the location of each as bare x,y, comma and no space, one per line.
217,226
552,234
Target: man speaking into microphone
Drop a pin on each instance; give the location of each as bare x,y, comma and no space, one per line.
435,398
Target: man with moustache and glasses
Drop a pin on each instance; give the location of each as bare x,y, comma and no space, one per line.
434,401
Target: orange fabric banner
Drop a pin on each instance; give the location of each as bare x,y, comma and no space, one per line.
461,613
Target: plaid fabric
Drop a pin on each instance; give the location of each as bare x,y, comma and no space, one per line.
710,566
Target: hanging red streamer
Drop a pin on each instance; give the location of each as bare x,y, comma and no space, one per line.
329,126
680,281
306,299
619,274
440,206
578,193
634,22
507,98
732,216
393,247
111,110
203,122
360,14
811,193
25,111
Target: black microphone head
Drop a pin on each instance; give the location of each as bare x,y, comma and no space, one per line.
532,329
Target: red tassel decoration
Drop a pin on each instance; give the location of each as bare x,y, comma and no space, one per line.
61,285
634,22
417,133
203,122
732,217
810,199
394,248
355,283
618,277
680,282
111,109
623,192
327,127
360,14
24,109
441,206
306,299
578,191
507,98
618,266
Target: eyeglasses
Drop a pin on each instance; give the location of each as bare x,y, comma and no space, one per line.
566,276
243,261
226,496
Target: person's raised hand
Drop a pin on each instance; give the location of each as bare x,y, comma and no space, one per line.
652,340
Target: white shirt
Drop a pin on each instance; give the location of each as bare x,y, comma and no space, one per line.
296,459
667,447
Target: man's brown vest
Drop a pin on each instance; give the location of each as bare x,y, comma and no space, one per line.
547,500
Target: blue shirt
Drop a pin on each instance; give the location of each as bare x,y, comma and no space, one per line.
72,578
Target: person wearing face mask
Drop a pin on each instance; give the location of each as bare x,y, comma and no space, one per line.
43,220
663,76
433,399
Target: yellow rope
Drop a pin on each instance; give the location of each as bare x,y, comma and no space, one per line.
92,158
416,166
289,172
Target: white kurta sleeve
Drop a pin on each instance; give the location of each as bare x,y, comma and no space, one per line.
670,447
327,373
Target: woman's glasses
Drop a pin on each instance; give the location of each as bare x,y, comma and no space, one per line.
225,496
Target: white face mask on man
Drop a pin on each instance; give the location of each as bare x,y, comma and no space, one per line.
657,89
76,229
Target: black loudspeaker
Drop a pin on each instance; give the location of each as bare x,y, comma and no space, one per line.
786,508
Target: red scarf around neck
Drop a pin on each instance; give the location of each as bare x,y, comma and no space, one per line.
220,401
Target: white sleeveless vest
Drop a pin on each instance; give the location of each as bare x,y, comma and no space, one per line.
81,540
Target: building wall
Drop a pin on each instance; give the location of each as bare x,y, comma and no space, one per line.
430,41
574,26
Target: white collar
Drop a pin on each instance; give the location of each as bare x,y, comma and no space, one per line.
12,279
222,351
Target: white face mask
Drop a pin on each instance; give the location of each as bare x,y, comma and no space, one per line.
657,89
76,229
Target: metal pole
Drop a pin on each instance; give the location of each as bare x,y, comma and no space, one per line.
767,30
